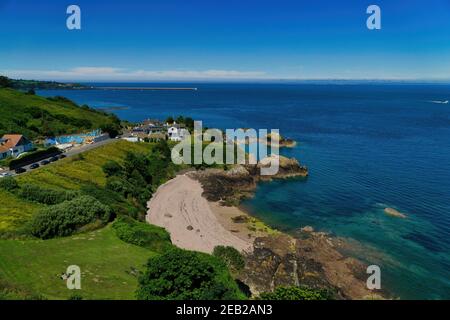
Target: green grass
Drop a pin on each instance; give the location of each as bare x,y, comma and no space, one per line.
36,116
68,174
14,211
104,259
35,266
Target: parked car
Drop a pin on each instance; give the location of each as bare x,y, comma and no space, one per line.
21,170
53,159
62,156
45,162
34,166
5,174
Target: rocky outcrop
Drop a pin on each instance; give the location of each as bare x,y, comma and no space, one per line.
312,261
394,213
239,182
288,167
282,142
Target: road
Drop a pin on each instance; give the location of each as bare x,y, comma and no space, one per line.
68,154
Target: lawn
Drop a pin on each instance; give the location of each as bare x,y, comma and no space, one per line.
106,263
68,174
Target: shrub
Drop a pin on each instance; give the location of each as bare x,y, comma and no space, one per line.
117,203
142,234
120,185
112,129
179,274
296,293
35,193
65,218
112,168
5,82
8,183
232,258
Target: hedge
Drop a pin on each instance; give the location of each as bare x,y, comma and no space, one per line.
34,157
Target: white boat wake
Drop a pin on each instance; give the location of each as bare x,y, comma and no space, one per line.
440,101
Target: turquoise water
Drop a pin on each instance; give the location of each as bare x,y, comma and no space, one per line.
367,147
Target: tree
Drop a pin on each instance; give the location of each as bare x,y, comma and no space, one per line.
5,82
112,129
180,119
163,149
189,123
186,275
169,120
112,168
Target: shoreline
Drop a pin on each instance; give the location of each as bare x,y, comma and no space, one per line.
273,258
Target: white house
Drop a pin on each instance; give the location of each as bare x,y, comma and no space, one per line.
176,132
14,145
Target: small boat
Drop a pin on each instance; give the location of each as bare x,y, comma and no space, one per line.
440,102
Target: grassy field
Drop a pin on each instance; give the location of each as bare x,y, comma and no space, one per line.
68,174
106,263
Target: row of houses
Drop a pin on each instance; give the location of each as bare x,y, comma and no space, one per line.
13,145
158,130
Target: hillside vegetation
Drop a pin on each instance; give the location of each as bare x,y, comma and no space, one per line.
35,116
68,205
82,173
22,84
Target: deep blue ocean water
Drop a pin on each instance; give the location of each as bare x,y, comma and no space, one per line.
367,146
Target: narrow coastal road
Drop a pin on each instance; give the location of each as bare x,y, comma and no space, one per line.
69,153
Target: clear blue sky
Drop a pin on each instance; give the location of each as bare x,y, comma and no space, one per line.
225,39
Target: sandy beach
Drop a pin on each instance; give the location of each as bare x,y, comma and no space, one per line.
192,221
273,259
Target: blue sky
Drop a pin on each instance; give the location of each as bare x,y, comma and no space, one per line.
225,39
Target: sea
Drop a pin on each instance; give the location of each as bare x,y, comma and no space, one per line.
368,146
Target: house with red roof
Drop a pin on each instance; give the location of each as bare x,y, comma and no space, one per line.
14,145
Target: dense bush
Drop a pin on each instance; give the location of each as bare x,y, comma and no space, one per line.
8,184
180,274
112,128
120,185
5,82
112,168
142,234
296,293
118,204
232,257
35,193
65,218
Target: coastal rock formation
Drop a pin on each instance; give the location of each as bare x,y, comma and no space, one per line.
288,167
240,181
313,261
394,213
267,140
226,186
283,142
